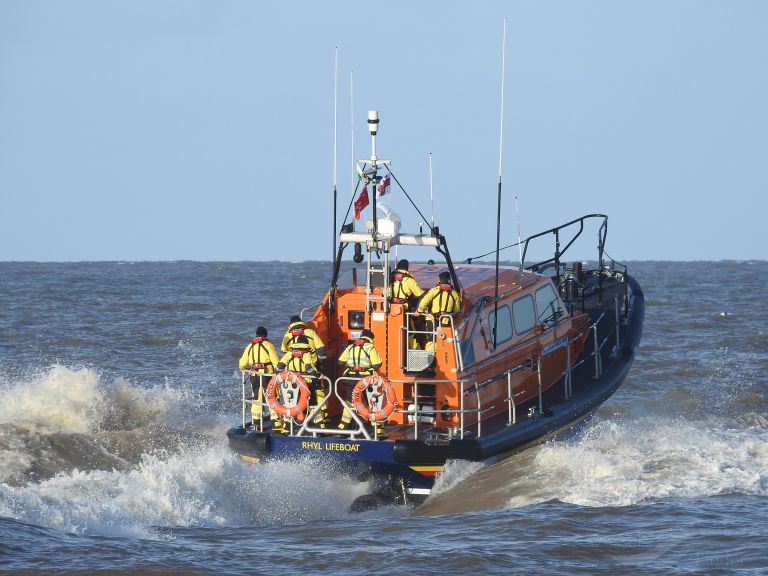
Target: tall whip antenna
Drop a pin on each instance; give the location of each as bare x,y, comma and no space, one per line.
431,198
519,241
498,207
335,107
352,127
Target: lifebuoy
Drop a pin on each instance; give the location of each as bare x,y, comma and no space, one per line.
390,399
286,379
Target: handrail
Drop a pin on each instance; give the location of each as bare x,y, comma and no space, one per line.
437,331
246,400
493,379
602,234
311,414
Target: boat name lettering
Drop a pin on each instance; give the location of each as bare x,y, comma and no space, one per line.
330,446
552,346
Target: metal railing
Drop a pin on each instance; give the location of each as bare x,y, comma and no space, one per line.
437,331
254,398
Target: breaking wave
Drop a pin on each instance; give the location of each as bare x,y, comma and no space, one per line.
619,463
84,455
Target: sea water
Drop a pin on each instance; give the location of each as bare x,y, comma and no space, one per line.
118,382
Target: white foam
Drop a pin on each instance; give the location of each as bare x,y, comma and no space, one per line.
619,464
60,399
452,473
39,414
67,400
204,486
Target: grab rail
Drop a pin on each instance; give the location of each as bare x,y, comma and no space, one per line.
254,398
555,260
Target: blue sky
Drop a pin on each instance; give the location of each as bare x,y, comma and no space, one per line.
166,130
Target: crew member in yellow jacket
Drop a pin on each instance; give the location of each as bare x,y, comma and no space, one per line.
361,359
404,288
297,328
301,358
260,358
440,301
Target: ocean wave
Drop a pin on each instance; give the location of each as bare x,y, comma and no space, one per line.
63,399
617,464
620,463
64,418
202,486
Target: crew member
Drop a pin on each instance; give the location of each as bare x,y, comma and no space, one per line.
297,328
441,301
302,358
260,357
404,288
361,359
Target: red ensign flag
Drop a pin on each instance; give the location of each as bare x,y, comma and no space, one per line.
361,202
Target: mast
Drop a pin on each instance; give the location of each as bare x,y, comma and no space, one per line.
373,127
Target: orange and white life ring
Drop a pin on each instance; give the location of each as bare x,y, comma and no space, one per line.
374,383
293,386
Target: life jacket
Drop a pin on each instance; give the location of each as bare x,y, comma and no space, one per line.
398,294
359,358
255,354
444,298
300,362
296,330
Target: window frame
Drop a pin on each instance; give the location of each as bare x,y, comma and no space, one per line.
554,298
491,314
530,298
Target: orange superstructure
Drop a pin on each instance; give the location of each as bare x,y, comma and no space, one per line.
460,373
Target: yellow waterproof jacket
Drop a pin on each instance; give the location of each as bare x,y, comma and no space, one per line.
259,355
442,299
361,356
305,364
298,328
403,286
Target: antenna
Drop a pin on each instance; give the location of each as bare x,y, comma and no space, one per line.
352,127
431,199
335,107
519,241
498,207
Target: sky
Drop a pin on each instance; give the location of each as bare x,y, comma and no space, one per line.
200,130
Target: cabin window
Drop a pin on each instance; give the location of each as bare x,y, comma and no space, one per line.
504,325
547,305
524,314
356,319
467,353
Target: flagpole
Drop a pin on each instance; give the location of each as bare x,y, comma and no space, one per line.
498,206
